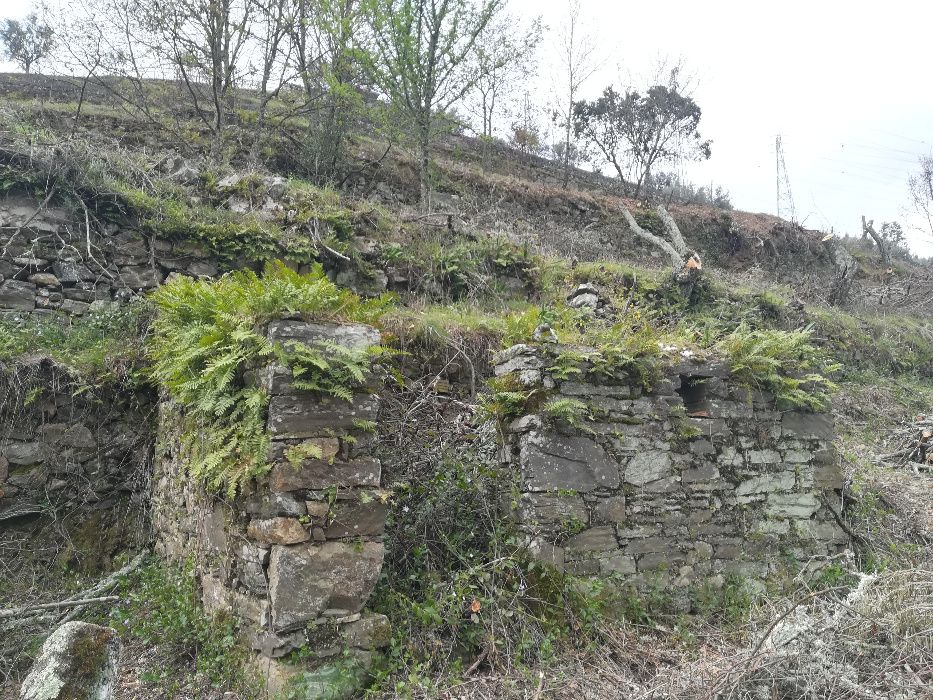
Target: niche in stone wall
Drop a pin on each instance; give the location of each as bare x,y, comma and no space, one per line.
693,392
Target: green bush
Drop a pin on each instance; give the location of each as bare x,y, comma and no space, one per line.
160,606
206,338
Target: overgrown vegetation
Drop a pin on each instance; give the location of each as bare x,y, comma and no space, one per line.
160,607
207,337
104,347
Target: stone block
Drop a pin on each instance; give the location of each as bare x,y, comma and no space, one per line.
610,510
648,466
271,505
305,580
305,415
828,477
321,474
808,425
792,505
371,631
704,472
353,336
552,509
18,296
767,483
25,453
616,391
357,519
139,277
551,461
619,564
277,531
595,539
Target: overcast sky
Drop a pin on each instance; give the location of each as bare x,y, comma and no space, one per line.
846,85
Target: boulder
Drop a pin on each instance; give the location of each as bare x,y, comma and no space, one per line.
78,661
19,296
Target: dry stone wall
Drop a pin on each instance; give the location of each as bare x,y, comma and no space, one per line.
693,479
61,449
298,556
52,261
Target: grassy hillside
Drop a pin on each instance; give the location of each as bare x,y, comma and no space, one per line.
500,253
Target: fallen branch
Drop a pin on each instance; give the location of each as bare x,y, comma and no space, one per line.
16,612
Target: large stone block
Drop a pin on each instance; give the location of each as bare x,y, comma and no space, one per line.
306,580
648,466
304,415
357,519
552,509
321,474
551,461
277,531
353,336
19,296
808,425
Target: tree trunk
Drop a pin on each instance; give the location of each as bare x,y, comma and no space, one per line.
869,228
424,174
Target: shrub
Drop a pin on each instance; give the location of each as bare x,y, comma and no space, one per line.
206,339
160,606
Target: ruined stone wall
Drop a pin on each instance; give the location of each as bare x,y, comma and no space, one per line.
83,457
297,557
696,478
50,261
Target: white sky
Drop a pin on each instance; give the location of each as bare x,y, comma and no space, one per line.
846,84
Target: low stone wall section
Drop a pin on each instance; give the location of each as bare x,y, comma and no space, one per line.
297,557
695,479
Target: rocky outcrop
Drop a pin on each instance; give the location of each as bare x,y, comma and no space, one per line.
78,661
695,478
298,556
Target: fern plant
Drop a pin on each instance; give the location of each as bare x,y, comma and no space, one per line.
206,338
785,363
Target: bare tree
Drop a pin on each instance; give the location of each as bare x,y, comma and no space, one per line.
504,57
27,42
205,41
920,188
421,61
868,228
271,31
577,54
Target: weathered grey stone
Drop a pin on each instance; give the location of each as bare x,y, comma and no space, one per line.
44,279
516,358
595,539
25,453
357,519
320,474
552,509
371,631
812,425
71,271
764,457
308,416
551,461
620,391
702,473
766,483
271,505
273,645
354,336
610,510
648,466
140,277
305,580
68,435
619,564
277,531
792,505
78,661
16,295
